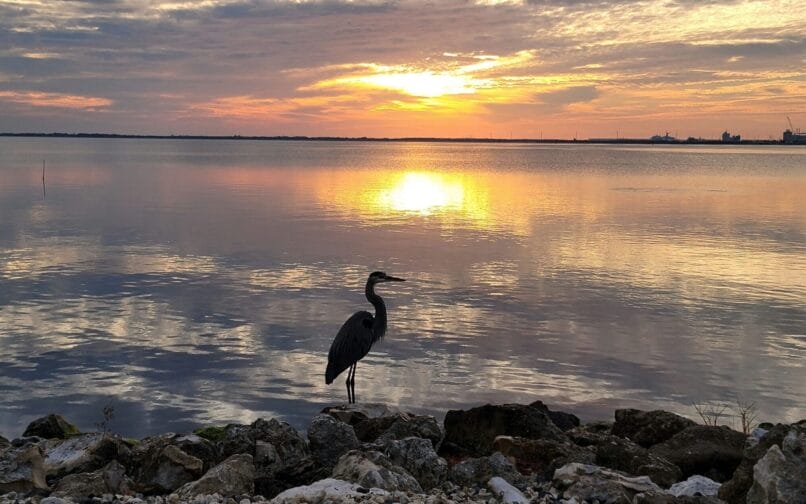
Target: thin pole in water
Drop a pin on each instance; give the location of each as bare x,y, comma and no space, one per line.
43,179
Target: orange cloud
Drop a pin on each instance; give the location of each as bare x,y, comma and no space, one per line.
58,100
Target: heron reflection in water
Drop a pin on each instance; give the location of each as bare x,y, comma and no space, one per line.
357,335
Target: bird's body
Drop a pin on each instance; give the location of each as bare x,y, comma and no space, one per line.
357,335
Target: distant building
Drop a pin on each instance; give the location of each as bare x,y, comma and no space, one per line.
728,138
794,138
667,138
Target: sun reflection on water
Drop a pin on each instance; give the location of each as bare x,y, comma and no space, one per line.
423,193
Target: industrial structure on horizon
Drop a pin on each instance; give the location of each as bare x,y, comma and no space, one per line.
792,135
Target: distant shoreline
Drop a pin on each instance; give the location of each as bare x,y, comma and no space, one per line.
633,141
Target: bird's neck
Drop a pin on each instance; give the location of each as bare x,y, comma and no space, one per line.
379,324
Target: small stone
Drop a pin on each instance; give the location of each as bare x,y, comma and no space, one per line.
245,501
695,485
52,500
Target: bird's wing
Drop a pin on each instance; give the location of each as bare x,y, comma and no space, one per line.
351,344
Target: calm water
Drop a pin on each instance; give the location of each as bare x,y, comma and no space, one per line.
193,282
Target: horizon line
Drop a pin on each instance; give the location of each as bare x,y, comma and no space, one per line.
524,140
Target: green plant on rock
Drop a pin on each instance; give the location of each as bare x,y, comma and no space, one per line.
211,433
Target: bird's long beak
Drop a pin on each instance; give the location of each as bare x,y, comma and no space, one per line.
394,279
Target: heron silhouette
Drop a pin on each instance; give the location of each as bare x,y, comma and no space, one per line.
357,335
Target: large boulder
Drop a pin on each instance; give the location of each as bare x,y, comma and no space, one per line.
83,453
280,454
234,476
236,439
473,431
565,421
22,469
648,428
478,471
419,458
714,452
735,490
198,447
406,425
624,455
328,490
379,422
330,439
780,475
541,456
4,443
590,483
111,479
51,427
353,414
372,469
166,469
282,458
590,434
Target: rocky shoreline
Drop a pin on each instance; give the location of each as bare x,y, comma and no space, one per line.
373,453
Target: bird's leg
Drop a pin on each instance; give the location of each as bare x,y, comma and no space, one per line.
349,394
352,381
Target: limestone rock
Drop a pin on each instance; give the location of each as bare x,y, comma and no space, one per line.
706,450
234,476
590,434
505,492
22,469
327,490
657,498
378,422
478,471
419,458
372,469
281,456
780,475
198,447
236,439
695,485
473,431
541,456
587,483
624,455
330,439
405,425
354,413
51,427
648,428
108,480
735,490
565,421
166,469
83,453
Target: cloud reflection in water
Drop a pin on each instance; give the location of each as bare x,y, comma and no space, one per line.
203,282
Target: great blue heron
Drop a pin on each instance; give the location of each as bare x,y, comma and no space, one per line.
357,335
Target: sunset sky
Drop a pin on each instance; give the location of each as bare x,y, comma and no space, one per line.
532,68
